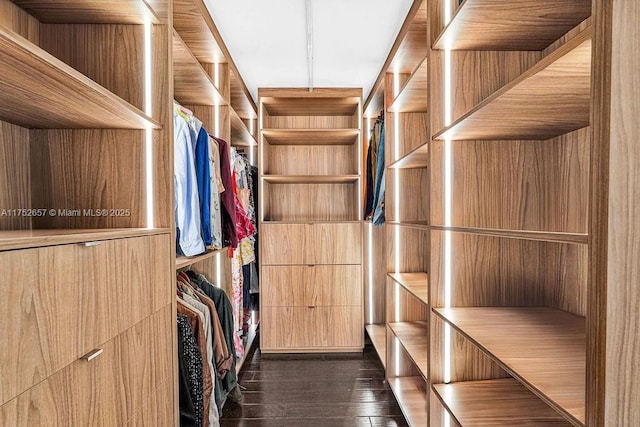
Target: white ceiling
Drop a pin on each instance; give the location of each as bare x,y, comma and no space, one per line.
268,40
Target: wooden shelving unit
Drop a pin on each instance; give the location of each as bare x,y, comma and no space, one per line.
550,99
496,402
416,283
311,179
413,96
184,261
89,12
418,158
240,135
414,337
80,102
192,84
411,394
311,136
543,348
378,336
542,236
500,25
422,225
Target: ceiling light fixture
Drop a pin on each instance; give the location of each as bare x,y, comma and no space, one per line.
309,11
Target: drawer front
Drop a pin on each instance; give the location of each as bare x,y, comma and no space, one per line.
111,389
63,301
317,285
287,328
318,243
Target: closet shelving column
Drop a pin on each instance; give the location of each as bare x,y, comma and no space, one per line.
406,208
74,132
311,232
509,195
207,82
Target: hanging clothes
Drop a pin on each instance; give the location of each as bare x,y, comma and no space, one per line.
378,200
190,373
229,237
186,202
216,188
203,174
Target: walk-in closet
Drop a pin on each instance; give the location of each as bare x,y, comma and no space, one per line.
320,213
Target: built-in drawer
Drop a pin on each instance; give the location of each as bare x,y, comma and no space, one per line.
311,243
310,285
110,389
305,328
60,302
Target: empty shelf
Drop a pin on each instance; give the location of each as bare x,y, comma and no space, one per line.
411,394
502,402
320,102
240,135
21,239
192,84
509,25
378,335
40,91
311,136
543,348
413,97
413,45
311,179
416,158
416,283
414,337
543,236
192,21
89,12
550,99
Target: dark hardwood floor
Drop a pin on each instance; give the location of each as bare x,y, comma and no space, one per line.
314,390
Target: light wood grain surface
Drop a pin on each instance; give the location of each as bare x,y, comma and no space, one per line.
416,283
410,46
185,261
240,135
194,24
499,25
89,12
192,85
378,336
328,106
521,234
543,348
15,181
500,402
515,185
19,21
34,80
295,160
412,398
550,99
413,96
310,179
416,158
311,136
414,337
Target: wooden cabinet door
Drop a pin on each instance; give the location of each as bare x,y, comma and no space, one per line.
283,243
60,302
118,385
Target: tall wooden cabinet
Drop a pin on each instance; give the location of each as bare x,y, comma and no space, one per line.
310,232
85,215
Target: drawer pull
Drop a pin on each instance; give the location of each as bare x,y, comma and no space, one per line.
311,306
90,244
311,265
92,354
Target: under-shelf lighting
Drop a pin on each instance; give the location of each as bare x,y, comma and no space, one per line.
370,263
359,141
396,299
261,165
396,344
251,147
148,109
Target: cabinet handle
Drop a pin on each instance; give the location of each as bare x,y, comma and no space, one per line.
311,265
311,306
92,354
90,244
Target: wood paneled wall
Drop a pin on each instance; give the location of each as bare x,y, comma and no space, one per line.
15,185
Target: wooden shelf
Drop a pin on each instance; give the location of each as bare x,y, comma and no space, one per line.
414,337
412,39
496,402
241,101
411,394
311,136
191,19
543,348
184,261
40,91
415,159
375,101
504,25
240,135
413,96
192,84
550,99
320,102
422,225
543,236
416,283
89,12
310,179
22,239
378,335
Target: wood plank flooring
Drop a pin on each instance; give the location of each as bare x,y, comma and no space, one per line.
309,390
